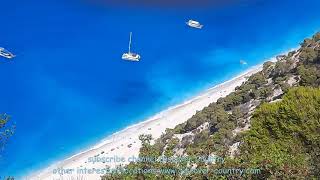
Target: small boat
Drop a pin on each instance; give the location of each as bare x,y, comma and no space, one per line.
194,24
5,53
243,62
130,56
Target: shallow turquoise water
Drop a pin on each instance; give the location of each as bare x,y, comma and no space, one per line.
68,87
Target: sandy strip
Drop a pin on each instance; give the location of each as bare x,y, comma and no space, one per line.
125,144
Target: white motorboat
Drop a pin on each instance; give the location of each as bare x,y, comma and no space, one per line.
5,53
194,24
243,62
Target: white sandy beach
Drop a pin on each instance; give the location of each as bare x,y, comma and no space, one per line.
126,144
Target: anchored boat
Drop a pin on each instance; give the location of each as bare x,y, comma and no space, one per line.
5,53
194,24
243,62
130,56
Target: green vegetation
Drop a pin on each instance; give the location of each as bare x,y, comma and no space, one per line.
6,130
283,139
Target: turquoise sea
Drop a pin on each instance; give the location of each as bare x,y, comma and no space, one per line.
68,87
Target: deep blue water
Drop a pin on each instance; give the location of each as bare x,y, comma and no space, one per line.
68,87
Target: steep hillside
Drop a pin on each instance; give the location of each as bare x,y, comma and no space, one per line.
270,123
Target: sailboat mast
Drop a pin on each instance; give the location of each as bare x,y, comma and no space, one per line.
130,42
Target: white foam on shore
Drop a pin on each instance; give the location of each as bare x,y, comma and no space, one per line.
154,125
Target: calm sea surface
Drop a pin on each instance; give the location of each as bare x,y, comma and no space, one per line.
68,87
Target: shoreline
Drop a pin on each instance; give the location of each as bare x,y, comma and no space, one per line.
125,143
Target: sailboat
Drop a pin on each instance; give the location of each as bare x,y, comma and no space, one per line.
130,56
6,54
